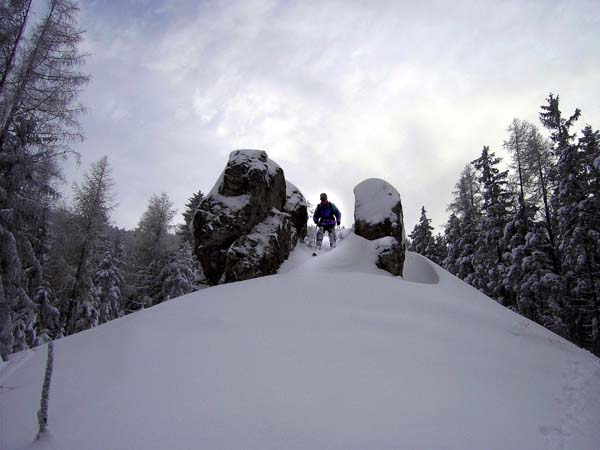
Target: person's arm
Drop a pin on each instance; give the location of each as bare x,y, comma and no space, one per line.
316,215
338,215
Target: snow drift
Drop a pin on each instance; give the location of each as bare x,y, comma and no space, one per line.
329,353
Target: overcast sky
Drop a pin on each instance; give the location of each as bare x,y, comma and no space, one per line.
334,91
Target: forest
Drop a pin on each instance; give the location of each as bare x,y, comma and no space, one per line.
527,234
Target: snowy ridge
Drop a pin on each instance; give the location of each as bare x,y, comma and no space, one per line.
330,353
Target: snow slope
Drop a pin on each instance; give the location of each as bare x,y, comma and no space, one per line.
330,353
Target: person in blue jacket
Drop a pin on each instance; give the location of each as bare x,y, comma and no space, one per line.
326,217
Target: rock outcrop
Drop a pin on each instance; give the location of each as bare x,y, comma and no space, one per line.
297,208
378,216
242,229
261,251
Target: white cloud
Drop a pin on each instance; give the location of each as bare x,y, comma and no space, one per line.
334,91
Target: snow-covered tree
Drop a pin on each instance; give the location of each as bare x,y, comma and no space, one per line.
577,218
108,282
466,207
191,206
39,85
48,316
421,237
452,235
154,245
540,165
93,202
540,292
440,249
180,275
489,262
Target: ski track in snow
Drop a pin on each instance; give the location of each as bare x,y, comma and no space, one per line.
572,400
14,363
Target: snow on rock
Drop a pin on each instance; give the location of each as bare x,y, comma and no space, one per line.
248,161
378,214
333,354
597,163
376,201
390,255
297,207
261,251
249,188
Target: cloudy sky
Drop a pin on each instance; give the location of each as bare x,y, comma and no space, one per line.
335,91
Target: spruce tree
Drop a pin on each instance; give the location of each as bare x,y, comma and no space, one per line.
180,275
573,200
48,316
467,208
452,235
489,262
422,241
440,250
108,282
184,230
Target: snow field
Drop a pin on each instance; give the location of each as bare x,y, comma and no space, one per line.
330,353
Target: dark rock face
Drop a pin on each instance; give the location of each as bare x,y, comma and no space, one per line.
297,208
387,227
248,192
391,256
261,251
378,216
251,172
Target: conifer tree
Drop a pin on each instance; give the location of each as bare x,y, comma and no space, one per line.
440,250
39,85
180,275
519,134
573,198
452,235
191,206
155,245
422,241
467,208
540,164
489,261
48,316
540,292
93,202
108,282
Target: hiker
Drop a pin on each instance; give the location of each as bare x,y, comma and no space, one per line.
326,217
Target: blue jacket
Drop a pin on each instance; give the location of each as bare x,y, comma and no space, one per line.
327,214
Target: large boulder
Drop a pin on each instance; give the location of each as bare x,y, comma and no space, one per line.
261,251
251,190
297,208
378,216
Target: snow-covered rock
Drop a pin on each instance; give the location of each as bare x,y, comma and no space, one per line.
261,251
249,188
377,215
297,208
